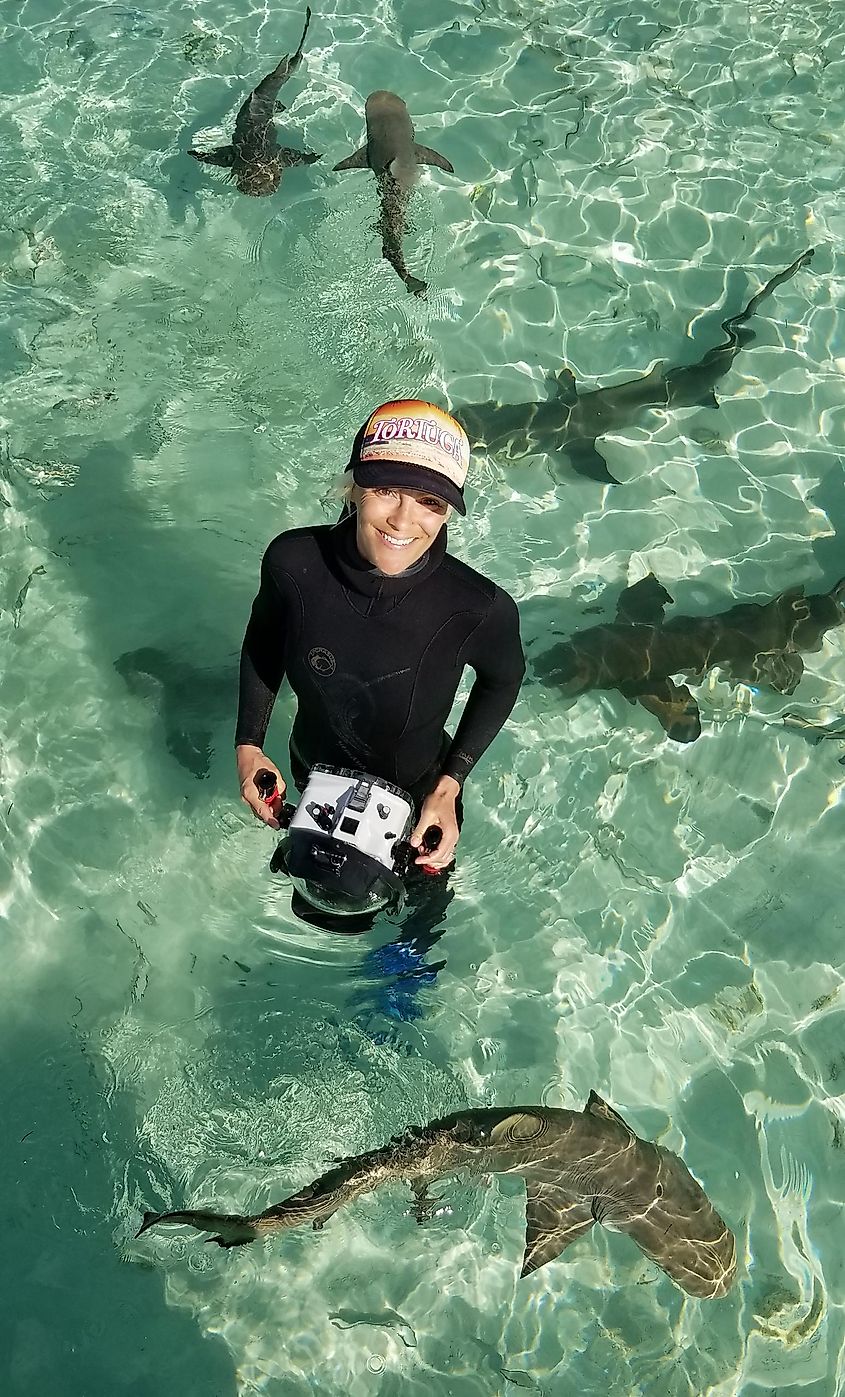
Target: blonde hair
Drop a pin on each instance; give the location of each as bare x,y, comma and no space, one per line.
342,488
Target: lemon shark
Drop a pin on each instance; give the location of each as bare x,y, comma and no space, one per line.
580,1168
394,156
638,653
255,160
570,422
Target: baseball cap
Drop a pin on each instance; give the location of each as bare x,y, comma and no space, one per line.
415,445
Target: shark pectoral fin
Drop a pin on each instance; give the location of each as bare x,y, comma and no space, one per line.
597,1106
552,1221
782,670
675,708
279,107
224,155
426,156
644,602
358,161
227,1241
563,386
586,461
290,157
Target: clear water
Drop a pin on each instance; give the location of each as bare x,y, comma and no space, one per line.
182,371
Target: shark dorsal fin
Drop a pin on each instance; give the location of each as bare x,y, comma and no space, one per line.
358,161
552,1220
596,1106
563,386
644,602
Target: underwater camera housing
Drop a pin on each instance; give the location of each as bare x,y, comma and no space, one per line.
346,849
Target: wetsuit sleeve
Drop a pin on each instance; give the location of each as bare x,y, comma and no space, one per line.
495,653
262,659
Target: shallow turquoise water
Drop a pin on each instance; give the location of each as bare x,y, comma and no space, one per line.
183,370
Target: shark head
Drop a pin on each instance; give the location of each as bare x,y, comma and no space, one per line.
568,667
667,1213
260,178
385,106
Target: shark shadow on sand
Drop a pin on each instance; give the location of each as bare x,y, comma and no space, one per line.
571,423
255,160
580,1168
638,653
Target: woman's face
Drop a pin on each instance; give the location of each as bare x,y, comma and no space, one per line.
395,527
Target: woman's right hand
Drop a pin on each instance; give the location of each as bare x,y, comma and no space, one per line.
250,760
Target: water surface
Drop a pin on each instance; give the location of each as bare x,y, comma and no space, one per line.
183,371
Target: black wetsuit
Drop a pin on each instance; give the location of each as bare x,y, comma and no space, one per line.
375,661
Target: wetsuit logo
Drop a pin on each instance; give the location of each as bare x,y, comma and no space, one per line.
322,661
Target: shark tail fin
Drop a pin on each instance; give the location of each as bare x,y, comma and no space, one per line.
232,1229
357,161
426,156
297,56
150,1220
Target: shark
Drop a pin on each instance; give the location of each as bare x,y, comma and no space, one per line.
570,422
580,1168
393,154
639,653
255,160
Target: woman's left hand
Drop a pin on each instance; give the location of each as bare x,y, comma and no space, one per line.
438,808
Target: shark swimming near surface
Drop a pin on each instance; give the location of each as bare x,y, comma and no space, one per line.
394,156
255,160
570,422
758,643
580,1168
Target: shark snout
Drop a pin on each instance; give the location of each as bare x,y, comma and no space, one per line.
706,1269
565,667
384,101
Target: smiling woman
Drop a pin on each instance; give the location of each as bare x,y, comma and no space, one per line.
395,528
372,621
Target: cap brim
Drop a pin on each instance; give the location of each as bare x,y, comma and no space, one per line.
402,475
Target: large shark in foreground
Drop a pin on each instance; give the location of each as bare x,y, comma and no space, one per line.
755,642
394,156
255,159
571,423
580,1167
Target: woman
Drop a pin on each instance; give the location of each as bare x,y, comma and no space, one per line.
372,622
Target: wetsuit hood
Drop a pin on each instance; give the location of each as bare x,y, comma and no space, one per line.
360,576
